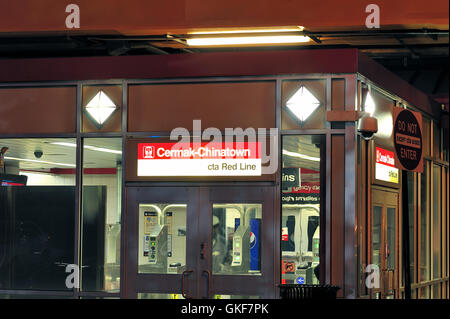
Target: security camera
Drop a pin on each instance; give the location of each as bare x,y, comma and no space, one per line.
367,126
38,154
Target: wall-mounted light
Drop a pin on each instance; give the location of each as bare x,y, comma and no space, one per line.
100,108
367,101
302,104
238,37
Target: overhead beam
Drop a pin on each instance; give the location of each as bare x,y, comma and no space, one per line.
140,17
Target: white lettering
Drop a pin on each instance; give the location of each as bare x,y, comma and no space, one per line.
73,19
373,19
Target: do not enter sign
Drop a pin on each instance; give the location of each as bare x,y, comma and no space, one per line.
408,140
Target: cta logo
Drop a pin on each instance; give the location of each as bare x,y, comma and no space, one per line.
149,152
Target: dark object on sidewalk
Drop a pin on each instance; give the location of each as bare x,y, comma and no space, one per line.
293,291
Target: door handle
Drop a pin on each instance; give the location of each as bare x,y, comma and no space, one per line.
183,293
209,283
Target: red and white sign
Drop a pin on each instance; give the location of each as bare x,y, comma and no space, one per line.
284,234
202,159
385,169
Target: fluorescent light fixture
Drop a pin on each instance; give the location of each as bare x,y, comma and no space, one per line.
247,40
38,161
302,104
302,156
369,104
89,147
100,108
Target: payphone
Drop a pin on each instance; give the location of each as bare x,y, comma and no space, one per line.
241,249
155,242
246,243
158,248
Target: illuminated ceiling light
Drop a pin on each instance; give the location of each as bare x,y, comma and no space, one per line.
302,104
89,147
302,156
38,161
369,104
242,36
247,40
100,108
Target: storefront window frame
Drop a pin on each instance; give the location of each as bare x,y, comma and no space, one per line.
78,136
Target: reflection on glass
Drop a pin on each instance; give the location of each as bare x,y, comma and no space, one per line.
162,238
390,238
436,223
37,213
236,239
101,211
411,224
376,236
424,231
236,297
300,231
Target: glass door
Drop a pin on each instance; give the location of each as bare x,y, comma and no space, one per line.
385,247
237,228
199,242
161,241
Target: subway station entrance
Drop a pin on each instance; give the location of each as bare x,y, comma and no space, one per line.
200,242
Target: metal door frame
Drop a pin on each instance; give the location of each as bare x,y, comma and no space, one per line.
383,275
201,282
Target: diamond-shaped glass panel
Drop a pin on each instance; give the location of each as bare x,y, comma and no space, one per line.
302,104
100,107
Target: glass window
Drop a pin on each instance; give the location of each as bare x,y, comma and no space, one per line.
162,238
236,239
411,215
445,222
376,237
436,141
159,296
426,137
424,227
37,213
101,212
300,232
436,222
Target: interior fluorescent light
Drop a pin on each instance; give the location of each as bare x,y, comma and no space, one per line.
302,103
89,147
38,161
369,104
275,39
293,154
